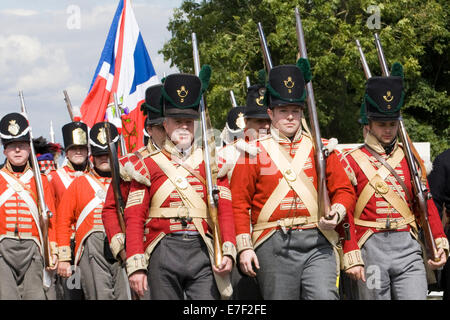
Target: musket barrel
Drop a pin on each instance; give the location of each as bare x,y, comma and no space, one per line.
265,49
233,99
68,104
381,58
247,81
211,188
195,54
320,152
45,213
363,61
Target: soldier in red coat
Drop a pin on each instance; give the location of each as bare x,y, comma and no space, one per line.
281,239
168,233
22,274
130,166
387,229
102,277
75,137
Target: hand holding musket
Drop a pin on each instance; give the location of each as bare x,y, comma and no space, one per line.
44,212
211,167
321,152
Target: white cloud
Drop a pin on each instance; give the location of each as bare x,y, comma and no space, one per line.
28,64
19,12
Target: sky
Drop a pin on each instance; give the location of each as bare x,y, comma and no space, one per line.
48,46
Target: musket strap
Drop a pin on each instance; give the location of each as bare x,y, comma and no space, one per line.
378,185
185,165
392,171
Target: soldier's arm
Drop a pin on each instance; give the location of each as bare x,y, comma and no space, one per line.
243,189
136,211
65,217
50,201
110,219
226,219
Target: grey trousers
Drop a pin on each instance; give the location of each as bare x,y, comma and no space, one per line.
100,279
180,268
21,270
394,268
298,265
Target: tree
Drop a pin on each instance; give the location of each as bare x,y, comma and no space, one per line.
414,33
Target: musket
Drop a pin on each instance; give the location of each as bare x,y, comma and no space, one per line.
265,48
247,81
118,198
52,132
421,193
210,164
115,180
118,114
69,105
320,152
364,64
44,212
233,99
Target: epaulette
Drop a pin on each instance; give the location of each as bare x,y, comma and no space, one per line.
247,147
135,168
330,144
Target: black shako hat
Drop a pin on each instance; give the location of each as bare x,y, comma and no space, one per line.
182,93
152,106
255,106
14,128
98,139
75,134
286,85
384,97
235,119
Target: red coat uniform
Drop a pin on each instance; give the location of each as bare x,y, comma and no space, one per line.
17,220
81,205
255,179
379,209
143,233
61,180
129,164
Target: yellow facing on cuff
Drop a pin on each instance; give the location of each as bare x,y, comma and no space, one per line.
53,248
64,253
243,242
117,244
352,258
443,243
228,249
136,262
340,208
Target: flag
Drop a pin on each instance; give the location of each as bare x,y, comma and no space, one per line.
124,68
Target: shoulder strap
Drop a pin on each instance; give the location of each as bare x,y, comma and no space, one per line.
392,171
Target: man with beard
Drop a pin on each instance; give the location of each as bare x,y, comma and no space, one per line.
168,236
386,222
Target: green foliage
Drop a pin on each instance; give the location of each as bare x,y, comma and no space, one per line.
414,33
